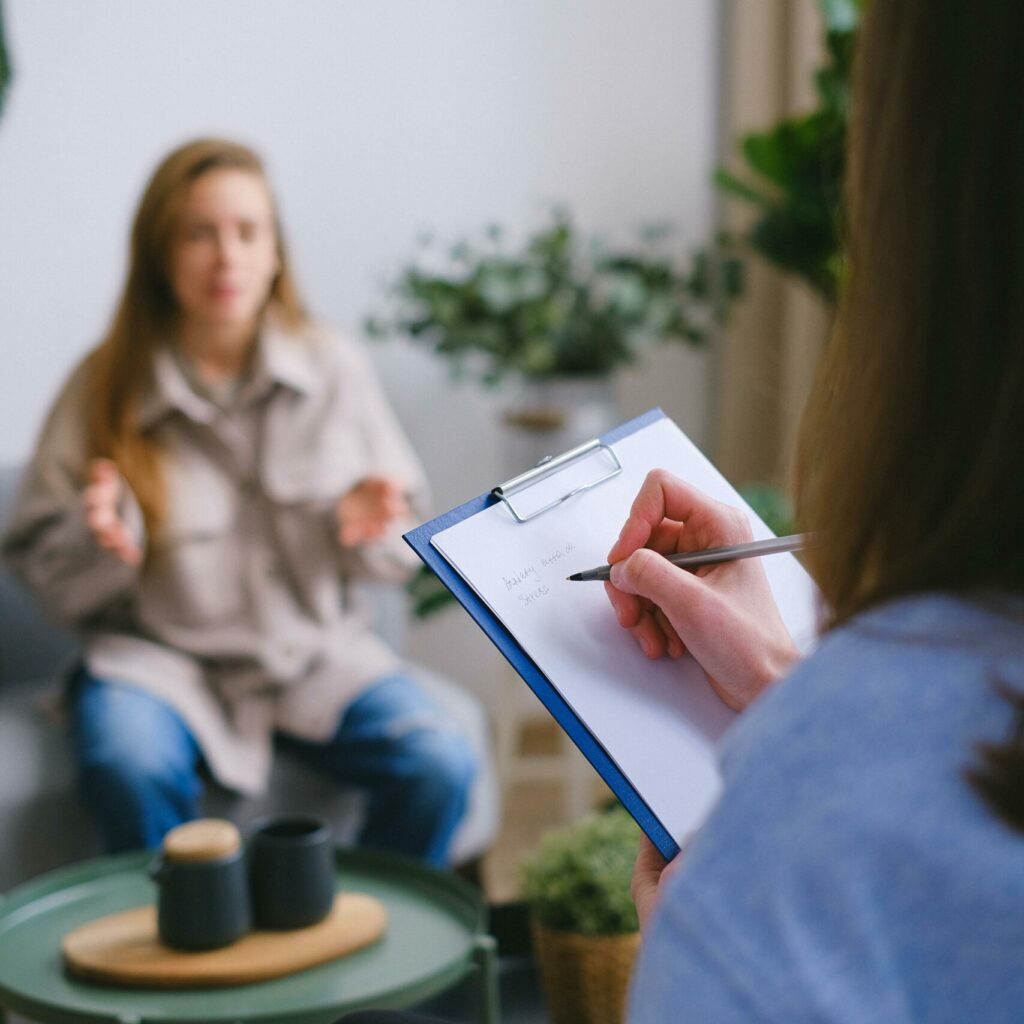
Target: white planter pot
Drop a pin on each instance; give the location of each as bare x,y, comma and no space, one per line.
547,417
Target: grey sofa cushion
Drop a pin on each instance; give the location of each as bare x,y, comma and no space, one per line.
30,648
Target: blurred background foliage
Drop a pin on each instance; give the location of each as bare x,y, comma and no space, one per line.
794,170
557,305
5,62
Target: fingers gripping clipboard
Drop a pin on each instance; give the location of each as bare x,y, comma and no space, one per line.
649,728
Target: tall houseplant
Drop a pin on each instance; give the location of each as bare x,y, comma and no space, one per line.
794,170
792,174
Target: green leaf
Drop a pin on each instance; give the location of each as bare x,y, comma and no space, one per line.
724,179
5,63
461,253
374,327
771,504
499,288
627,295
427,593
539,357
732,272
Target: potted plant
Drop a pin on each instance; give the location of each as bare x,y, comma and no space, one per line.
584,924
556,307
559,314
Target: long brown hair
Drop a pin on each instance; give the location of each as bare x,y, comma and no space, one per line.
120,367
912,448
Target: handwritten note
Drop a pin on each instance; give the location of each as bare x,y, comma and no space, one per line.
531,582
658,721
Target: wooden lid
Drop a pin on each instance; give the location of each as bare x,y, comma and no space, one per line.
205,839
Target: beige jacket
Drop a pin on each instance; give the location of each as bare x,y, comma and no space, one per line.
242,616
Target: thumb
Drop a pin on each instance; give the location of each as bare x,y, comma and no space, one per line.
647,574
102,470
104,474
685,599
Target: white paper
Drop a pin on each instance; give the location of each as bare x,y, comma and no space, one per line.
659,721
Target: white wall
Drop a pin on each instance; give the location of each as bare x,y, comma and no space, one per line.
378,120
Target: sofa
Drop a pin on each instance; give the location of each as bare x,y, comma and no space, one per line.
42,824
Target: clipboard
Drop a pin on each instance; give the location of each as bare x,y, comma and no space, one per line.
558,481
420,540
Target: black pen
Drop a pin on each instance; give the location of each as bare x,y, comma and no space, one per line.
709,556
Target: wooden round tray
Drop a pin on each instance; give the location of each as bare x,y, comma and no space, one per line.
124,949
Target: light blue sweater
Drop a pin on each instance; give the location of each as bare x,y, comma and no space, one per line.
849,873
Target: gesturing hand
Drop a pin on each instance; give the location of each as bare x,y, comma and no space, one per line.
102,495
366,511
724,614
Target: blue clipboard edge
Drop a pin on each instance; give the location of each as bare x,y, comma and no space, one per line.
419,540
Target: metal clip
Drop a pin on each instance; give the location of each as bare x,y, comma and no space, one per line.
545,468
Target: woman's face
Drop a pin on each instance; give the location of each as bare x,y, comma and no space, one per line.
224,257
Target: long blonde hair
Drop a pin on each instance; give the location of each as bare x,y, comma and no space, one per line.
120,368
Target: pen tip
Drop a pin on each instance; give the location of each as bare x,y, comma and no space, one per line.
575,576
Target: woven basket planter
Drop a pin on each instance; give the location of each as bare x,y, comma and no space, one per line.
584,977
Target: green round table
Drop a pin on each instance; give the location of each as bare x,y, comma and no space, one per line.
436,936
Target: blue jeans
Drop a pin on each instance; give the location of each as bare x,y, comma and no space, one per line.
138,765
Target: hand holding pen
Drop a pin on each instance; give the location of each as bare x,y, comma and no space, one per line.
712,556
723,613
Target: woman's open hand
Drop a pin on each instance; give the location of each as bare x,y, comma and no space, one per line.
724,614
368,509
102,497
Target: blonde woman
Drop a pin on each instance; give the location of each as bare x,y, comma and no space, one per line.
208,484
